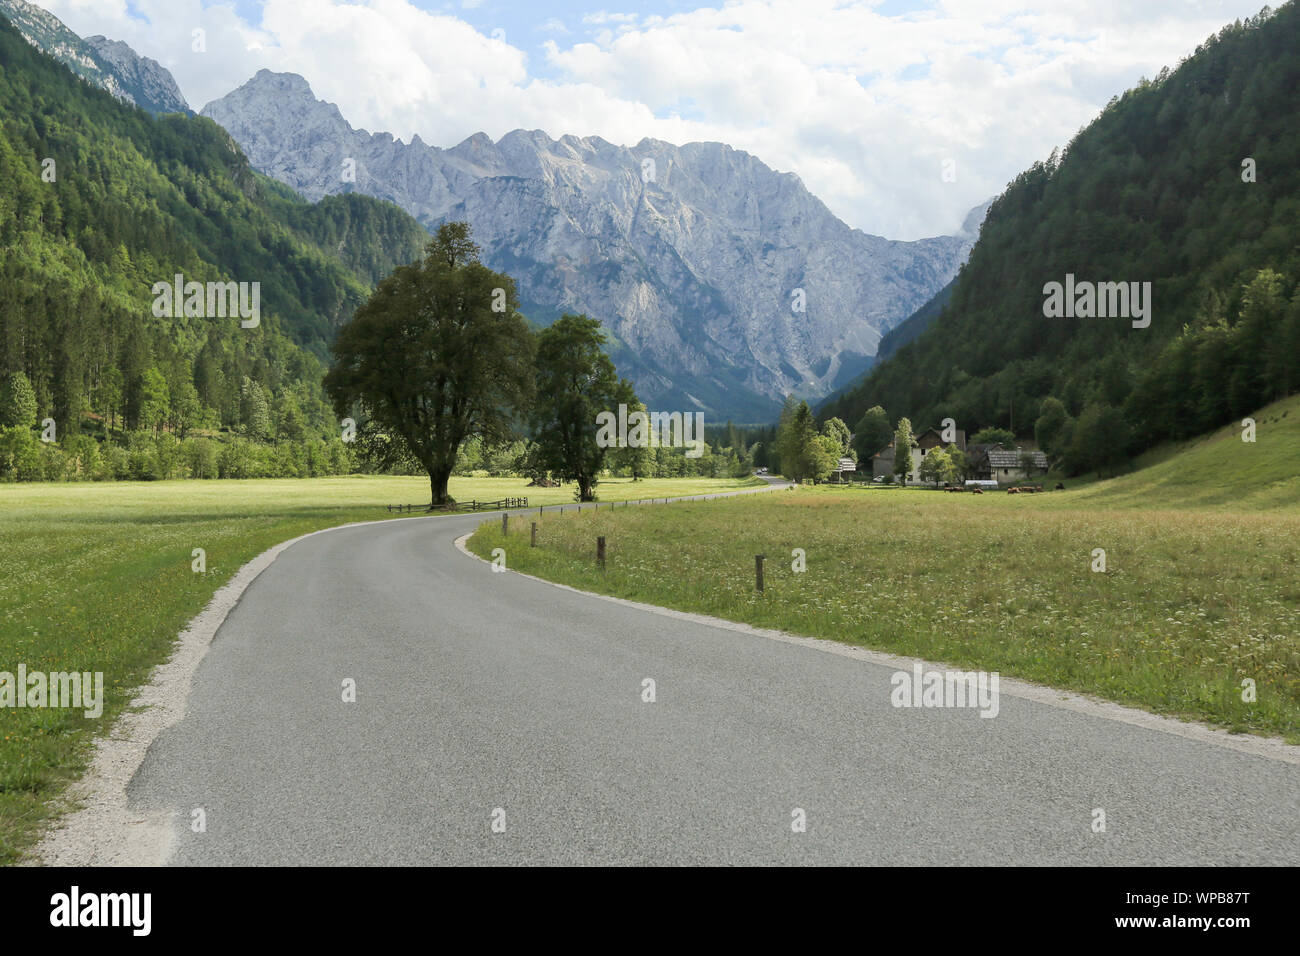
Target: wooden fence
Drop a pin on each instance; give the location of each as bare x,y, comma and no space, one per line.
498,505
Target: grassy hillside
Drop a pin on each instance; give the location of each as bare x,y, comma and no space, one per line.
1217,470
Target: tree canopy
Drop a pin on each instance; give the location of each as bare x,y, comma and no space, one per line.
438,354
576,382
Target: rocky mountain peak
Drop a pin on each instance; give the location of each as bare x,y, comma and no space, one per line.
109,64
722,283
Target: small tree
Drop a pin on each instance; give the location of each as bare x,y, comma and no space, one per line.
903,444
993,436
804,453
936,466
635,458
959,464
821,456
17,401
872,434
836,429
787,442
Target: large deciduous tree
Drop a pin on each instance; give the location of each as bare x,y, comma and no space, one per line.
836,429
872,434
438,354
576,381
1051,426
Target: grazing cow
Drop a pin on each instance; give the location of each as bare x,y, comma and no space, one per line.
1013,491
1060,486
977,491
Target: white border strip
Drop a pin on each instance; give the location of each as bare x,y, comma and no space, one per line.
1272,748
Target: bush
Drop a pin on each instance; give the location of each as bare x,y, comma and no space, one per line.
201,456
140,459
237,460
146,457
167,462
82,453
55,465
114,463
20,454
341,458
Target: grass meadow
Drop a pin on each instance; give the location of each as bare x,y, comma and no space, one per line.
1192,601
97,577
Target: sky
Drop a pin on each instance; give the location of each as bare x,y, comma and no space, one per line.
900,115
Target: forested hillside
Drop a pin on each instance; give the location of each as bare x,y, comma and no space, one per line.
102,201
1190,182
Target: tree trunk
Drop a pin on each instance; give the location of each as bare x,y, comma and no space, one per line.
584,489
438,496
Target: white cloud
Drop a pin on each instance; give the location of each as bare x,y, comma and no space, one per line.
864,107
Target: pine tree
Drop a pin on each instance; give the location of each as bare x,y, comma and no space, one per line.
17,401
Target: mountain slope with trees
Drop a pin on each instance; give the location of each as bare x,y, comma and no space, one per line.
1190,182
102,201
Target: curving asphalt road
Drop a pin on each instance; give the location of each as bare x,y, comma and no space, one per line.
479,691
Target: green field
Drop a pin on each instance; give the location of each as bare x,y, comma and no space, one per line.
1218,470
97,577
1194,599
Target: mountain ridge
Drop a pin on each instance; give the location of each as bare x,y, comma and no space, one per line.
693,263
109,64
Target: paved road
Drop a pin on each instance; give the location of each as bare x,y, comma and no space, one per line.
478,691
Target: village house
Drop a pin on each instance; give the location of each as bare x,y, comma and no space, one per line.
989,462
933,438
997,463
882,462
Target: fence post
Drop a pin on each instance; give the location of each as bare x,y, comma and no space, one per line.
534,539
600,552
505,524
758,571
